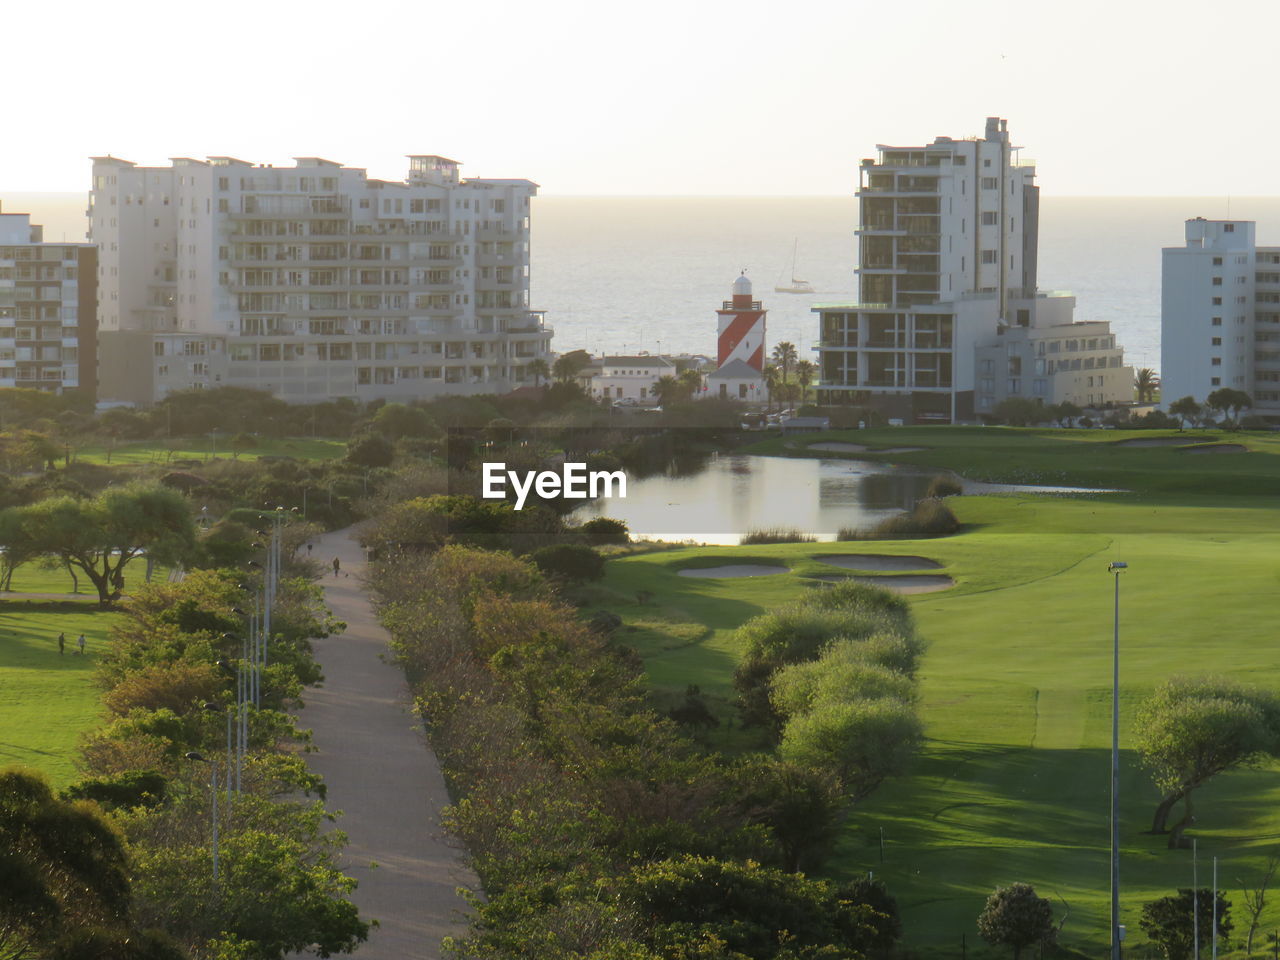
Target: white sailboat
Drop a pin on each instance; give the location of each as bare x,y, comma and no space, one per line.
796,285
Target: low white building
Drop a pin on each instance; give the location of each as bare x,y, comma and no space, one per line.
630,378
736,380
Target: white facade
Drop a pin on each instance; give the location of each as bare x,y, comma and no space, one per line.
312,281
947,278
47,309
1220,315
630,378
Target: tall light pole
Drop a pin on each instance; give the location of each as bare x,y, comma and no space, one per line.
213,768
1115,568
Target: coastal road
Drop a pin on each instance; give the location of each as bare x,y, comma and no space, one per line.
382,775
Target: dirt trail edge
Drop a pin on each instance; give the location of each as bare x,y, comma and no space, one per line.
382,775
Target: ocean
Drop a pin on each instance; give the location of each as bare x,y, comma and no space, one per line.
623,274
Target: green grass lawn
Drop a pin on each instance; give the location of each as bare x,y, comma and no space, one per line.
47,700
200,448
1013,781
33,578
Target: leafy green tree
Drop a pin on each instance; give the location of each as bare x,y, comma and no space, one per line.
1187,408
398,420
539,370
567,366
1191,730
757,912
803,807
1145,384
1065,413
600,531
1230,401
1170,922
61,867
1016,917
863,742
806,373
102,536
371,450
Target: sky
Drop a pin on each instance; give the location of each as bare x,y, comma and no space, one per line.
666,97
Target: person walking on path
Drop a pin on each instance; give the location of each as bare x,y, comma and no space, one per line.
80,643
336,563
62,644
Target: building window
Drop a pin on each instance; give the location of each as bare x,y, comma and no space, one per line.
1217,261
1217,301
1217,342
1217,281
1229,228
988,256
990,183
1215,381
1216,362
990,218
1217,321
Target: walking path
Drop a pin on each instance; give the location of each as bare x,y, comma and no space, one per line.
382,775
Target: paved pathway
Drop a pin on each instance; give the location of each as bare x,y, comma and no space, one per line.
382,775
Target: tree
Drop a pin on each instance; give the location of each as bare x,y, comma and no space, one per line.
371,450
806,371
1020,411
398,420
61,867
802,806
101,537
691,381
1185,409
772,381
1065,412
667,389
1170,922
786,357
572,562
539,370
1227,400
1145,382
1191,730
1016,917
567,365
862,742
1256,900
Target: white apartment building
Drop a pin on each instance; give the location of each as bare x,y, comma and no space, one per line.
312,281
48,309
1220,315
948,251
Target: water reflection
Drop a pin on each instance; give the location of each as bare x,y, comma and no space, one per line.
734,494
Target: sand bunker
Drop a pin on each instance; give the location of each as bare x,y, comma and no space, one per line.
1219,448
835,446
1163,441
878,561
734,570
922,583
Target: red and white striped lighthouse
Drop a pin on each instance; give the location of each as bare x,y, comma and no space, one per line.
741,328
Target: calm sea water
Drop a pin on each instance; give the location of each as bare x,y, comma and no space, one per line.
630,273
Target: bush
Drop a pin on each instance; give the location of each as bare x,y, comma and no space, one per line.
604,623
1254,422
569,561
930,518
1016,917
944,486
603,531
776,535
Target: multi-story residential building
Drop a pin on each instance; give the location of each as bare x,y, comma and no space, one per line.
312,281
48,309
1220,315
947,263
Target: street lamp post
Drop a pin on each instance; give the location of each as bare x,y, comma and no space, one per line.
213,770
1115,568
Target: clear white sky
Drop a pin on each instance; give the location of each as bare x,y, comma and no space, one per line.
1126,97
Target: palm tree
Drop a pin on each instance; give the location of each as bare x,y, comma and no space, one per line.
806,370
772,380
667,388
691,381
539,370
1146,381
785,356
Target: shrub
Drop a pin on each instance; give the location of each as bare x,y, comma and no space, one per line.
1016,917
944,486
604,623
175,685
571,562
930,518
603,531
135,788
776,535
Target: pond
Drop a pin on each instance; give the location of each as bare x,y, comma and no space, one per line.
735,494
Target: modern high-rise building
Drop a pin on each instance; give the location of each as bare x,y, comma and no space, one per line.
1220,315
48,309
312,281
947,262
